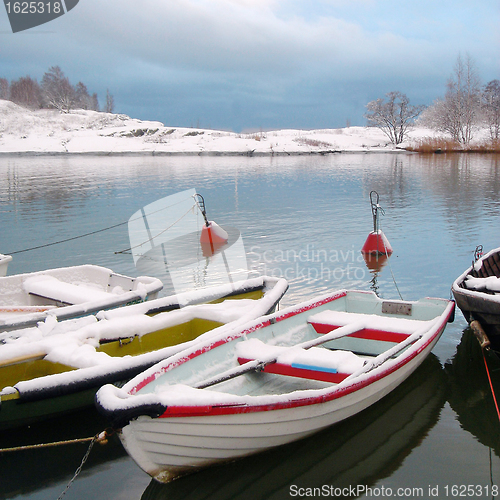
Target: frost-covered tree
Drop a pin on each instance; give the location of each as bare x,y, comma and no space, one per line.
94,102
393,117
82,97
110,102
491,107
459,113
26,92
4,88
57,92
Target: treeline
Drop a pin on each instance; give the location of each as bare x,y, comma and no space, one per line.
54,92
467,106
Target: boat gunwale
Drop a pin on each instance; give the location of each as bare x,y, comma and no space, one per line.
325,395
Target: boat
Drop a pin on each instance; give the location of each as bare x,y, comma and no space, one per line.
477,294
277,379
362,450
68,292
57,367
4,263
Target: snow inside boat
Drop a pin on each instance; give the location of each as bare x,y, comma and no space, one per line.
477,293
68,292
4,264
276,380
58,366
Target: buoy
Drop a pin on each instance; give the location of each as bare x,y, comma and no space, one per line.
376,243
212,235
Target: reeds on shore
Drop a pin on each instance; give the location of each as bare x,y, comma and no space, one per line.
430,145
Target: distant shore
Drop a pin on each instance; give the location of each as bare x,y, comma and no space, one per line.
81,132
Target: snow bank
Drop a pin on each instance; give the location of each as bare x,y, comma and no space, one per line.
90,132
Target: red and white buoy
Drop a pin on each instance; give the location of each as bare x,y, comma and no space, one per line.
212,235
376,243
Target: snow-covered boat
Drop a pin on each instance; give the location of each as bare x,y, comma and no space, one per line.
56,366
276,380
68,292
4,263
477,293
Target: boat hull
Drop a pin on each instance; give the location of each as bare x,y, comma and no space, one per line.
4,264
481,305
177,439
43,389
67,293
166,448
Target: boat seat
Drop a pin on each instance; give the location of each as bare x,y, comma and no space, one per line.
381,328
50,288
316,363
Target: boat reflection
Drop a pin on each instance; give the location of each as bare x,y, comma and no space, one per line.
27,471
360,450
470,392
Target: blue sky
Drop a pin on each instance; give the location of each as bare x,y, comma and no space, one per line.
258,64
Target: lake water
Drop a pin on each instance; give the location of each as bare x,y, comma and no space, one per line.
304,218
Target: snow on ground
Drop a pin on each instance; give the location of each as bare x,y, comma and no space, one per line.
80,131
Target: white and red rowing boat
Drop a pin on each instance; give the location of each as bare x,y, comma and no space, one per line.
276,380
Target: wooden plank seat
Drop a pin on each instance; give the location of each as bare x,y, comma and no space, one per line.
50,288
316,363
385,329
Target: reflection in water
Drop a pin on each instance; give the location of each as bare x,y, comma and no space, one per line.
304,218
27,471
470,396
358,451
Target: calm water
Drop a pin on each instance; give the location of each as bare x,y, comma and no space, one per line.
304,218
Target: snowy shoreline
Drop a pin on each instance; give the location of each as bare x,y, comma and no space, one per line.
82,132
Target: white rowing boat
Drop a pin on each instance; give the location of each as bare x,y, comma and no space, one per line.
4,263
276,380
57,367
68,292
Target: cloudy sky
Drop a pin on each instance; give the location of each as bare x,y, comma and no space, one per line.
246,65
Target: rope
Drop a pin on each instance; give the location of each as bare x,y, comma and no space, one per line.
87,234
390,268
47,445
79,469
491,384
160,233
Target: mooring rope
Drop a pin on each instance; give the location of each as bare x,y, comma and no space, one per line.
97,231
390,267
47,445
160,233
101,438
491,384
97,437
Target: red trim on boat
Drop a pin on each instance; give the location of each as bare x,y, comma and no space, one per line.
227,409
292,371
193,411
274,318
366,333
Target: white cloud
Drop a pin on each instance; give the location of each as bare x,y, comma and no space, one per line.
259,51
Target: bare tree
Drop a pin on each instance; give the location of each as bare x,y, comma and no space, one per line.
57,91
393,117
94,102
82,97
4,88
491,107
110,102
26,92
459,113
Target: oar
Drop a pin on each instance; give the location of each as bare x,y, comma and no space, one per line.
259,364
